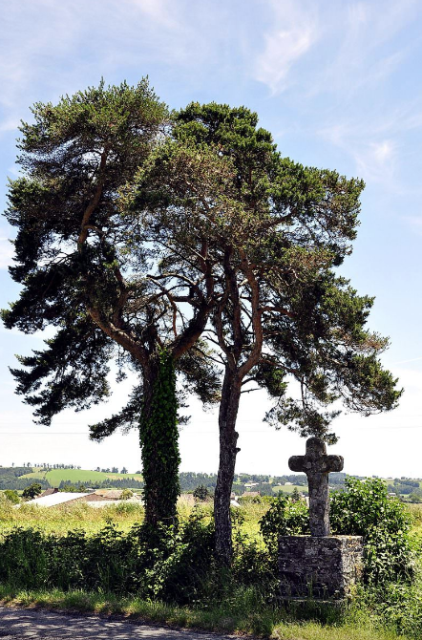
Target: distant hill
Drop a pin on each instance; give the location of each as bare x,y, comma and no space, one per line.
56,476
20,477
14,478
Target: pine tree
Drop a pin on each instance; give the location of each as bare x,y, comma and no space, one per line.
275,232
94,275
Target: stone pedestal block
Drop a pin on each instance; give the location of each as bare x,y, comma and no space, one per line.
324,567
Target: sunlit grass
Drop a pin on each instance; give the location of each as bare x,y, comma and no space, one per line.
241,618
65,518
91,519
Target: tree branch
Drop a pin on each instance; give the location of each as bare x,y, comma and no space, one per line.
93,204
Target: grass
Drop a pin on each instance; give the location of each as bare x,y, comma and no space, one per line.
64,518
416,512
288,488
249,517
91,519
56,476
35,475
242,618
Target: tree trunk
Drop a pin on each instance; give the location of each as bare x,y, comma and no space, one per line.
159,438
228,451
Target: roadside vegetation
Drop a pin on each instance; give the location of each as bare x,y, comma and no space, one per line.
106,560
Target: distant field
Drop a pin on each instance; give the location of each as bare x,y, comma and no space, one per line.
56,476
35,475
288,488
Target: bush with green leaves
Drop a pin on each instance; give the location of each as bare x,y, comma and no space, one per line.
284,518
362,509
202,492
31,492
365,509
167,563
12,496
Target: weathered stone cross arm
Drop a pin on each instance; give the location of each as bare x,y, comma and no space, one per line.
329,464
317,465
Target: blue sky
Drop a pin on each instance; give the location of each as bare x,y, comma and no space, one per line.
338,85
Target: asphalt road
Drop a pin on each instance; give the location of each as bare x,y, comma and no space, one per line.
24,624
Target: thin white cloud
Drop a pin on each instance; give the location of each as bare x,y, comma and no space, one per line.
412,359
374,155
355,59
376,141
382,151
32,34
14,170
387,18
159,11
293,34
376,161
358,14
360,58
282,49
49,48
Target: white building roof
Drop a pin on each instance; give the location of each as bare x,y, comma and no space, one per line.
106,503
55,499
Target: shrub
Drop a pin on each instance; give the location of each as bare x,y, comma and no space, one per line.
255,567
284,518
32,491
12,496
176,565
154,562
364,509
186,573
202,492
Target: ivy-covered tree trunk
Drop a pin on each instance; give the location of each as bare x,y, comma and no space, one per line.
229,408
159,437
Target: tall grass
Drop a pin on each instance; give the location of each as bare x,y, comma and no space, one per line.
91,519
64,518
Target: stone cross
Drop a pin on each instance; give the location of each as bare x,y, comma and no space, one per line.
317,465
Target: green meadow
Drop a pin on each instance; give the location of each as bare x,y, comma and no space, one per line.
56,476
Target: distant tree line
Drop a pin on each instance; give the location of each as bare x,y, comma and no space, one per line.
14,472
405,486
45,466
16,482
11,478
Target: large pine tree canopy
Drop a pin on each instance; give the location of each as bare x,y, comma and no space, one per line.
112,189
276,231
75,261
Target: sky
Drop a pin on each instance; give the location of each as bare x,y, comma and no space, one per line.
338,85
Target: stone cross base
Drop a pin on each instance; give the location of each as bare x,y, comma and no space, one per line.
319,568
